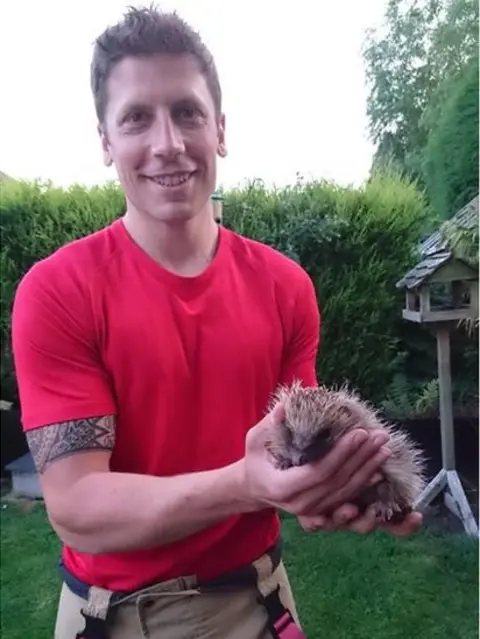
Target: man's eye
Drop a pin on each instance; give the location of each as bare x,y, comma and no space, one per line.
187,112
136,117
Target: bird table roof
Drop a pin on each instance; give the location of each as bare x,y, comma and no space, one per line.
420,273
465,218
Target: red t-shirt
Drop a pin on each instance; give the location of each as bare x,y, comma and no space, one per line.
187,365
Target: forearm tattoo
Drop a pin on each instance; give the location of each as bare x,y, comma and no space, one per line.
56,441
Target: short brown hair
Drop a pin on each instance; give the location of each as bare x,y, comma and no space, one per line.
148,31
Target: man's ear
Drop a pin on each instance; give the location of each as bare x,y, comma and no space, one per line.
222,148
107,156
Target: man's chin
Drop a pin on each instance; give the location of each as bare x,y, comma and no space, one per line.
172,213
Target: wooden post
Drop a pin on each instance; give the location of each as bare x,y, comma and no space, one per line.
474,297
460,506
445,383
445,271
425,300
411,301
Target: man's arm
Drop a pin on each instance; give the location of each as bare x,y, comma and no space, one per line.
99,511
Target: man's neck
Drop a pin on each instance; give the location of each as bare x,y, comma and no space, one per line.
184,249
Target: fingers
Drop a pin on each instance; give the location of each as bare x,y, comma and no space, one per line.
341,454
365,524
276,415
347,518
258,435
408,526
336,478
356,474
363,456
312,524
375,479
343,515
352,452
340,518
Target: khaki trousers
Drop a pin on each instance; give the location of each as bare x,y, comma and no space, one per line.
176,610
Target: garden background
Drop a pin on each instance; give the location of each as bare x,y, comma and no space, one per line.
355,243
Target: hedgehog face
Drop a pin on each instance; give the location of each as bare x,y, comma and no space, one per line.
315,418
302,446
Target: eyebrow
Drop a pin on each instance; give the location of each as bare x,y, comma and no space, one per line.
120,115
188,98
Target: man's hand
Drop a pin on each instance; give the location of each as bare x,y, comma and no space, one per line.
316,487
348,518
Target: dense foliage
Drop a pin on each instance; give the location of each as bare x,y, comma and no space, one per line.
420,71
35,219
451,154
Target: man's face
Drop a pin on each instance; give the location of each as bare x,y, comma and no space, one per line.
163,134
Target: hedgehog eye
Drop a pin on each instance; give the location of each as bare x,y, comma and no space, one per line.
288,435
325,433
317,448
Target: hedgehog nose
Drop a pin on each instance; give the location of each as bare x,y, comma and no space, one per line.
298,458
307,456
318,450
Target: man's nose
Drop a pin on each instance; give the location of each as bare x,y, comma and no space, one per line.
167,139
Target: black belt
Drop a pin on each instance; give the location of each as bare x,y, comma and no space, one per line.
243,577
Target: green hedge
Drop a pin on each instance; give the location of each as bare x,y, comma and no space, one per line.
35,219
355,244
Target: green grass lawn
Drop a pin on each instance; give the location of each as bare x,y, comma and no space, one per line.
347,587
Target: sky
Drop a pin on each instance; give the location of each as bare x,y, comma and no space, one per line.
292,77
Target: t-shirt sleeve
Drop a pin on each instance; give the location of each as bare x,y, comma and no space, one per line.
58,368
299,362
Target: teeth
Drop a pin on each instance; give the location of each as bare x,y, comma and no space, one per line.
171,180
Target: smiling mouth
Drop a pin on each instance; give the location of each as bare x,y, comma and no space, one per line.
171,180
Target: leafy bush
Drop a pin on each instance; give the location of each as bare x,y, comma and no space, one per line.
406,400
35,219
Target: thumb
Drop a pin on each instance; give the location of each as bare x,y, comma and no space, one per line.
271,424
264,431
277,415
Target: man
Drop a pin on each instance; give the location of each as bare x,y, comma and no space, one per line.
146,355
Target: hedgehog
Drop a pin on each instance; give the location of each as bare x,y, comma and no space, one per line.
315,418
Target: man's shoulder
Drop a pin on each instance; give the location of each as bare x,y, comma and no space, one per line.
266,258
71,266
